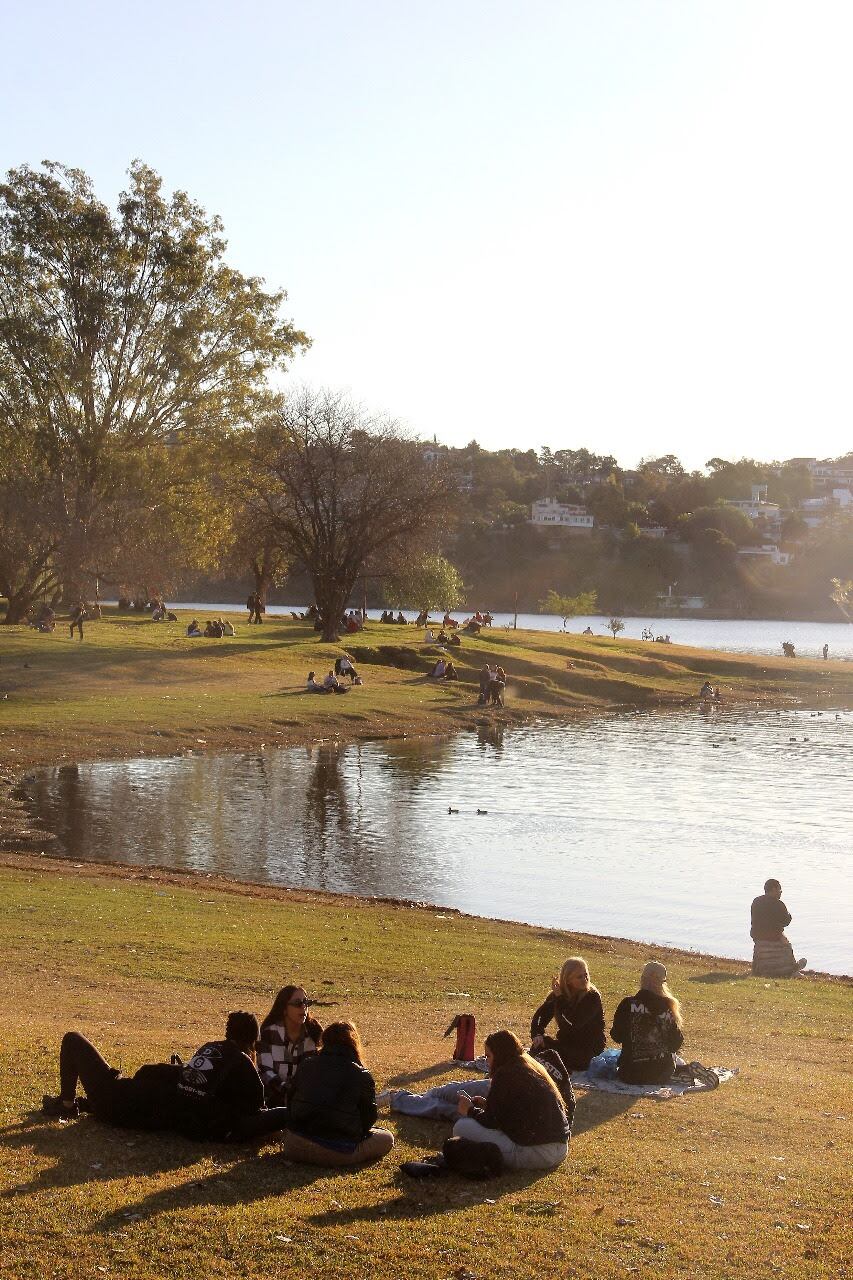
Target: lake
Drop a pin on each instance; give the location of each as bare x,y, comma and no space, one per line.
730,635
660,827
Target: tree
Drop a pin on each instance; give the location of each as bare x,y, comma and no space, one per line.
344,493
615,625
28,520
118,332
842,595
429,583
569,606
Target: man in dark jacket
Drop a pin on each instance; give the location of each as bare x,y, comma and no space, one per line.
772,955
217,1095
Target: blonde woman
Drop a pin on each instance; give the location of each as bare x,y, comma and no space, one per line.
575,1005
648,1027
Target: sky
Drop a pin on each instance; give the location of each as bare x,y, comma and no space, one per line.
619,224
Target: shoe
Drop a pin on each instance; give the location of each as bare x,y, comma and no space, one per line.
386,1098
705,1075
56,1107
800,965
432,1167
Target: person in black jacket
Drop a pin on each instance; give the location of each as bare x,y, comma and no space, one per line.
576,1006
524,1114
648,1027
217,1095
772,955
333,1105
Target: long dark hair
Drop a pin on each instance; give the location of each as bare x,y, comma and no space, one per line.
278,1012
344,1035
506,1048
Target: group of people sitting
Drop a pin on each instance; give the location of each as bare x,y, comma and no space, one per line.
331,683
214,629
492,686
444,670
399,621
292,1075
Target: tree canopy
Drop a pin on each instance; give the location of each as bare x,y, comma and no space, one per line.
430,582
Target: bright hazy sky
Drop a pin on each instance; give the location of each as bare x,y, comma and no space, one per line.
625,224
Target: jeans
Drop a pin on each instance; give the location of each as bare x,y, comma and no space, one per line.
438,1103
548,1155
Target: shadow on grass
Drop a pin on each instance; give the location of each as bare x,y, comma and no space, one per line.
85,1151
425,1073
717,976
594,1108
243,1181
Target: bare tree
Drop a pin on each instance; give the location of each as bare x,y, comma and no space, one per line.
343,491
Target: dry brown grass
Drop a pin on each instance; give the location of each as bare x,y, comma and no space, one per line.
147,965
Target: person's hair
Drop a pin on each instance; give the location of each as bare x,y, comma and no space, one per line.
278,1012
771,884
574,964
653,978
343,1035
310,675
241,1027
506,1048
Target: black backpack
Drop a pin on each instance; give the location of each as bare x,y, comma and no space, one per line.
560,1074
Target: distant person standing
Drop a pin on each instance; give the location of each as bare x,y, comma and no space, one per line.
78,613
773,955
825,652
250,605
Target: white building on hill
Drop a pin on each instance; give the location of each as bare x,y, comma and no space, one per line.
550,513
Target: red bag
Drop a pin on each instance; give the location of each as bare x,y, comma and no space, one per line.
466,1030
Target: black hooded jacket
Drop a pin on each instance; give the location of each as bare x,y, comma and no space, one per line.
580,1027
650,1037
333,1097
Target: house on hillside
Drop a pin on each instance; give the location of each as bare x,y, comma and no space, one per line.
767,551
549,513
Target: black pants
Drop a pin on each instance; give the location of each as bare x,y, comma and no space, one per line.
80,1060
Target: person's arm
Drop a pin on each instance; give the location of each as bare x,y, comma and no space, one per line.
621,1018
367,1102
589,1009
267,1068
675,1037
542,1016
783,915
498,1102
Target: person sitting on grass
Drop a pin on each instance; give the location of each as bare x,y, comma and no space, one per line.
194,629
438,671
576,1006
313,686
772,954
344,667
333,1105
217,1095
523,1114
228,628
648,1027
332,685
287,1036
450,672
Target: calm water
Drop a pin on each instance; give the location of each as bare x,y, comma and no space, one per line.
732,636
657,827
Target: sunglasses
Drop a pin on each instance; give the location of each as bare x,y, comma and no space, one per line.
299,1004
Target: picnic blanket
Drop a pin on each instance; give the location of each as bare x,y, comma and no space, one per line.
602,1076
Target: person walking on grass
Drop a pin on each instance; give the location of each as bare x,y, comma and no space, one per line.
78,613
772,954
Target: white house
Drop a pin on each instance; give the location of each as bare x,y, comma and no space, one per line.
550,513
768,551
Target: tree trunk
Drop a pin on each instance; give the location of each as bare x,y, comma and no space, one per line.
19,603
331,598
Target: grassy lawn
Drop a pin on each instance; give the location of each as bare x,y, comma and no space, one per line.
746,1181
133,686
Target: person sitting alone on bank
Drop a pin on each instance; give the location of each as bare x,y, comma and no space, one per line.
648,1027
772,953
217,1095
333,1105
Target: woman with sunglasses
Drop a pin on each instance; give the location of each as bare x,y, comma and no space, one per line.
287,1036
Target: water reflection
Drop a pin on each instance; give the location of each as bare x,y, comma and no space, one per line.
657,827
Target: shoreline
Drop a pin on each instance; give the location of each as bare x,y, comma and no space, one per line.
155,873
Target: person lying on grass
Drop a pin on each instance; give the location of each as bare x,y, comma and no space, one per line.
575,1005
333,1105
287,1036
218,1095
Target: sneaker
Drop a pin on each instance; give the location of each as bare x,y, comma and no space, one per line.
705,1075
800,965
432,1167
57,1108
386,1098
